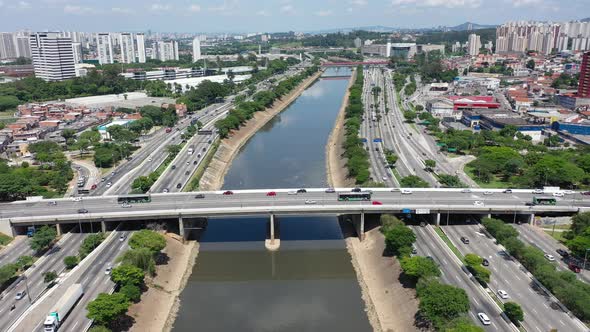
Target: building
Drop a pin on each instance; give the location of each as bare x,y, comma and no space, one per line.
23,48
77,50
196,49
127,47
584,82
140,38
426,48
7,47
358,42
543,37
474,44
53,57
104,47
167,51
401,50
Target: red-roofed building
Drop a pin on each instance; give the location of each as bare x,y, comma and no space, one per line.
473,102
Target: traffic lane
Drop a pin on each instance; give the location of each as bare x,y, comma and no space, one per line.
20,246
453,275
509,277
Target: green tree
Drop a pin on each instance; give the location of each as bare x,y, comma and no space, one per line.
149,239
440,303
399,239
473,259
70,261
24,262
430,164
142,258
410,116
99,329
68,133
462,324
413,181
43,238
90,243
7,272
173,149
127,275
49,276
8,102
107,307
132,292
530,64
514,312
419,267
451,181
388,221
142,183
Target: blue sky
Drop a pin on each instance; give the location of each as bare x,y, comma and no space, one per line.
270,16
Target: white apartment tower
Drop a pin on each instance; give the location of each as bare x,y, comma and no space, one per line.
140,47
474,44
127,48
196,49
23,48
7,46
104,47
168,51
53,56
77,51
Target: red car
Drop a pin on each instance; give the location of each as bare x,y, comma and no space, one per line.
228,192
377,203
585,193
271,193
574,267
93,186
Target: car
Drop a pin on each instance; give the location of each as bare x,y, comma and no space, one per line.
478,203
502,294
198,156
195,162
52,203
150,159
108,270
271,193
487,192
507,191
466,190
20,295
173,167
292,192
464,240
585,193
165,190
125,205
575,268
393,190
93,187
187,172
228,192
485,262
204,149
376,203
330,191
199,196
103,180
550,258
538,191
82,211
122,237
76,199
558,194
569,192
563,253
356,190
109,184
188,162
178,185
406,192
301,191
309,201
485,320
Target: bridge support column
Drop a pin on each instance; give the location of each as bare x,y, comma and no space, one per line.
359,225
532,219
272,243
489,215
437,219
103,226
181,228
58,229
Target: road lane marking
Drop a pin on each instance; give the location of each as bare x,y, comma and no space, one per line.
74,327
562,323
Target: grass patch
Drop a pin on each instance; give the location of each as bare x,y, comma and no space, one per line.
5,239
193,183
495,182
446,239
556,235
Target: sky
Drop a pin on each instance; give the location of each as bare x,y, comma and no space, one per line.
273,15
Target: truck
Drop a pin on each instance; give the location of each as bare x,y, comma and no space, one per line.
30,231
191,149
61,309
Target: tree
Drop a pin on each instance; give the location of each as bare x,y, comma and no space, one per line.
7,271
127,275
132,292
49,276
142,258
90,243
68,133
514,312
410,116
388,221
462,324
440,303
8,102
107,307
399,239
70,261
24,262
530,64
473,259
142,183
145,238
430,164
413,181
419,267
173,149
450,181
43,238
99,329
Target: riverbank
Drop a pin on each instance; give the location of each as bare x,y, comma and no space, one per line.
337,173
389,305
214,175
158,306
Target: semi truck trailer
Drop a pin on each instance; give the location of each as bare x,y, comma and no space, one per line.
61,309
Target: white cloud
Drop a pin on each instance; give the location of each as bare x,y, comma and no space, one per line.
77,10
159,7
359,2
226,7
439,3
323,13
263,13
120,10
194,8
523,3
287,9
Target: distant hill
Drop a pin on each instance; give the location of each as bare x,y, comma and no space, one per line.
474,26
587,19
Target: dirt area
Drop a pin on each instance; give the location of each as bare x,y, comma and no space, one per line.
212,179
390,306
336,170
158,306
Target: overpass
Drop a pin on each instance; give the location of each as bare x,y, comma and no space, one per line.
354,63
428,202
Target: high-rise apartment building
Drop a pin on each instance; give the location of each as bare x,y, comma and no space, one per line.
104,47
23,48
127,48
167,51
7,47
140,47
542,37
584,83
77,51
53,56
196,49
473,44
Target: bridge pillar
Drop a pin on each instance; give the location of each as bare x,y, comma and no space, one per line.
532,219
103,226
359,225
181,228
272,243
58,229
489,215
437,219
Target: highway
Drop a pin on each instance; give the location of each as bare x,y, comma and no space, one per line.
51,261
427,244
95,281
508,275
20,246
538,238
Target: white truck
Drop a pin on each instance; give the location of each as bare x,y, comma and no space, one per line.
61,309
191,149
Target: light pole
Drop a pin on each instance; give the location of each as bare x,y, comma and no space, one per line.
27,288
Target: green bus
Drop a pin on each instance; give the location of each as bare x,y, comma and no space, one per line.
544,201
361,196
134,198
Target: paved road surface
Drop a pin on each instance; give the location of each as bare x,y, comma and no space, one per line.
20,246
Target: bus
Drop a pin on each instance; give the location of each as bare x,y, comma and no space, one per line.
544,201
361,196
134,198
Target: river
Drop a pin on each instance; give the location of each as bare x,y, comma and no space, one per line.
309,284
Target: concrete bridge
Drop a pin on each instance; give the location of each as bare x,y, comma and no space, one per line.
355,63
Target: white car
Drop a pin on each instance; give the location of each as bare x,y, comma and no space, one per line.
538,191
558,194
485,320
109,184
466,190
502,294
108,270
384,178
569,192
488,193
550,257
20,295
292,192
478,203
76,199
126,205
309,201
406,192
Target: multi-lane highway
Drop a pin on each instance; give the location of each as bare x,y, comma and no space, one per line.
429,244
20,246
508,275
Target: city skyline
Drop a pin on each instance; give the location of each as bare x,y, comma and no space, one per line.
284,15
